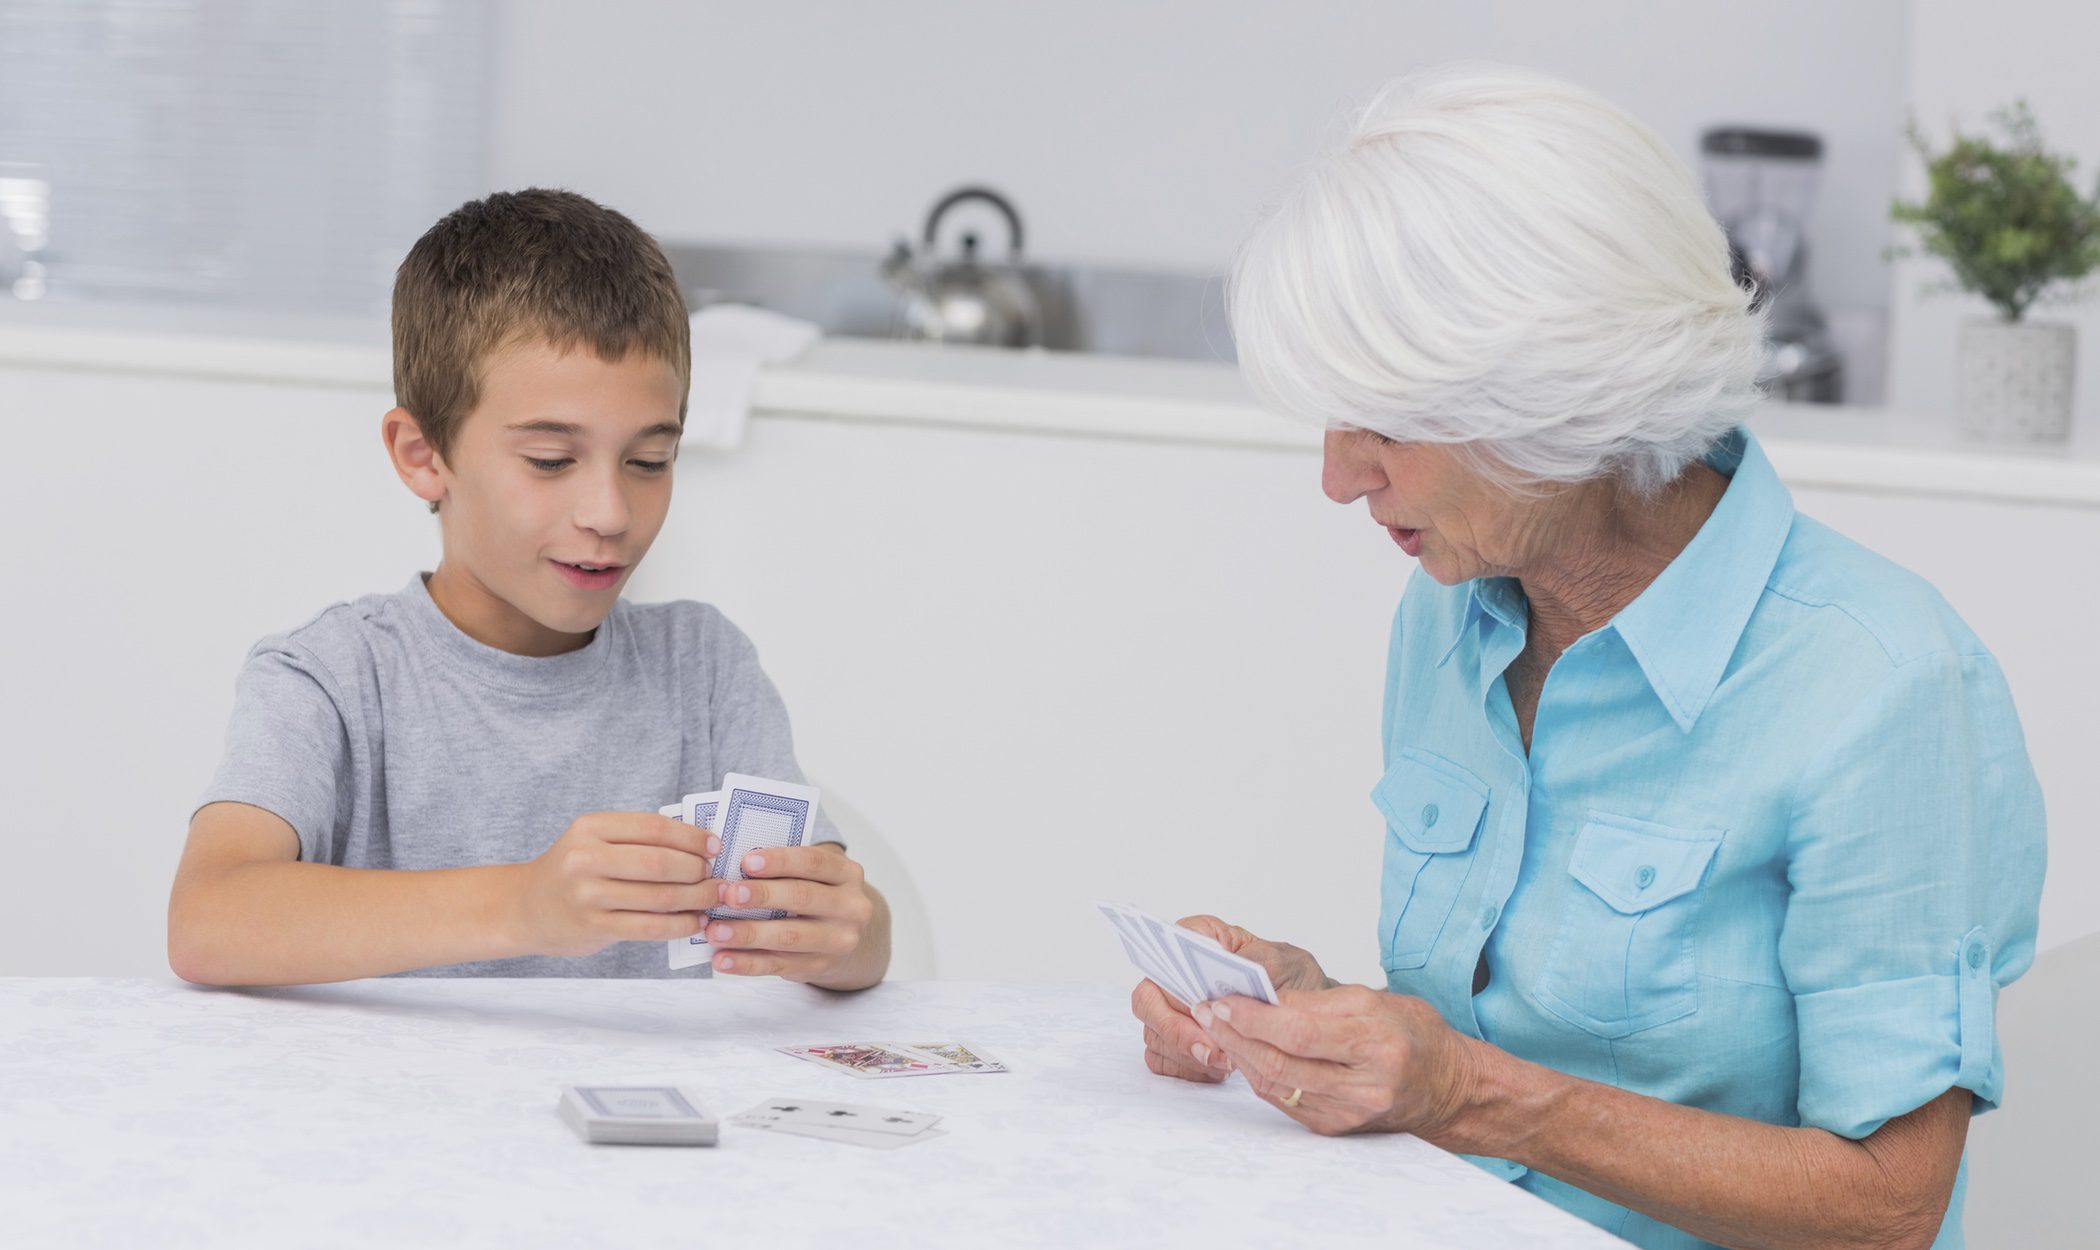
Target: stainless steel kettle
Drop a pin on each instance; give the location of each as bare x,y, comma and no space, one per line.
966,300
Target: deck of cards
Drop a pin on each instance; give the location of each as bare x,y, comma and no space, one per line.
749,814
637,1115
879,1128
1185,963
876,1060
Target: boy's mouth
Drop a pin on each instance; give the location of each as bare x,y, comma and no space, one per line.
590,576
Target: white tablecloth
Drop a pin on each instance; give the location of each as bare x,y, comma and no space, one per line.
141,1113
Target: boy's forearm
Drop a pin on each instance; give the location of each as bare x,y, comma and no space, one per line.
290,923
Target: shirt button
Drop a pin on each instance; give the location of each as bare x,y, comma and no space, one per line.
1976,954
1488,914
1429,816
1645,877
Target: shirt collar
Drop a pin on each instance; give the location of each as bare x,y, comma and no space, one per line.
1684,627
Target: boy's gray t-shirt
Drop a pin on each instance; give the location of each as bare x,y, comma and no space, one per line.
389,739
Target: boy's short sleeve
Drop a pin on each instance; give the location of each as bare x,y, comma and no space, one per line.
748,720
1915,865
287,750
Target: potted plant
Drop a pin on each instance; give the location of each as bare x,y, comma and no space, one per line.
2013,229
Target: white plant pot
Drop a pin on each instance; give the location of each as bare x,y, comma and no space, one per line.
2015,379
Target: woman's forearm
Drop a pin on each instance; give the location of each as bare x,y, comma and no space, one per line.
1730,1180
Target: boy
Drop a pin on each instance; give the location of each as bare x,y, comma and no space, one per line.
397,767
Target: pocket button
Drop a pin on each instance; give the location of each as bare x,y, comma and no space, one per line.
1645,877
1429,814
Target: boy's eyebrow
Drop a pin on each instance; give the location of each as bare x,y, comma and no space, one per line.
570,429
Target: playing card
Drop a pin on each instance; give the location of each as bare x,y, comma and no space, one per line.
797,1113
867,1060
878,1128
959,1056
1151,943
1136,946
756,814
1220,973
637,1115
697,810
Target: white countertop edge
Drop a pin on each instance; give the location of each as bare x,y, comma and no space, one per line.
1086,396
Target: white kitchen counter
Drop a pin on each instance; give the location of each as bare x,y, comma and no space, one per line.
1838,447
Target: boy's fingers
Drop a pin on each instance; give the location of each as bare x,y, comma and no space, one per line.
637,862
781,936
650,829
658,896
807,863
796,897
651,926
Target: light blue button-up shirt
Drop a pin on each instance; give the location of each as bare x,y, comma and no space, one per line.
1774,849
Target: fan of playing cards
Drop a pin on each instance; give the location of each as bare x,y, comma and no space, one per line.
749,814
1183,962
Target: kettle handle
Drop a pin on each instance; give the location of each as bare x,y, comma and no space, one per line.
989,196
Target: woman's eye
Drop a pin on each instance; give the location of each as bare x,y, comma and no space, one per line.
548,466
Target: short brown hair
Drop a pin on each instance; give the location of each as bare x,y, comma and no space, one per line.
524,265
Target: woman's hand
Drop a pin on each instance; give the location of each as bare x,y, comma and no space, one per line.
826,939
1347,1060
1174,1044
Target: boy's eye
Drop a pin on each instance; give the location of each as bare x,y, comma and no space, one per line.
646,466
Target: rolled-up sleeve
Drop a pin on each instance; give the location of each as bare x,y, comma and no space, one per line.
1914,863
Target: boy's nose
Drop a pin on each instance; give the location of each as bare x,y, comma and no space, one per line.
604,508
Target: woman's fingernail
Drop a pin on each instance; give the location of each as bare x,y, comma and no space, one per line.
1222,1012
720,934
1202,1014
1202,1053
724,963
754,862
714,845
743,894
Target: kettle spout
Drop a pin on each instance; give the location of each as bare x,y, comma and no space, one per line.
897,268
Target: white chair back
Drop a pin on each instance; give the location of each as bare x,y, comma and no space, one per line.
911,936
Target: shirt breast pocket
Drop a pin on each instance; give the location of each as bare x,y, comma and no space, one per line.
1433,811
1622,960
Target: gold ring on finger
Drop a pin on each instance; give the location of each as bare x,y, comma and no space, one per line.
1292,1101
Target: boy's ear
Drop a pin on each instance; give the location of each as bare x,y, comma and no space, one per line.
418,463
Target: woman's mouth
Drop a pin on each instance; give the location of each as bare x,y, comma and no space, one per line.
1410,540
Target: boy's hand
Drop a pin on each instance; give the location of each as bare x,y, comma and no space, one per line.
831,910
617,877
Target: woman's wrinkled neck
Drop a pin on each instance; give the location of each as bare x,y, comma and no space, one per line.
1603,545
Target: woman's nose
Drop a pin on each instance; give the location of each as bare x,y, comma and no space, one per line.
1347,472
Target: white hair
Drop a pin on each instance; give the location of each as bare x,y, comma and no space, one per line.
1510,264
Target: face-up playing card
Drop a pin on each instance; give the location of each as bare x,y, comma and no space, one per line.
879,1128
867,1060
758,814
959,1056
796,1113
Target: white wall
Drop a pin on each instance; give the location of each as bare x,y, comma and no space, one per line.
1047,669
1143,133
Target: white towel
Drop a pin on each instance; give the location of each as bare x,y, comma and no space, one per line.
731,343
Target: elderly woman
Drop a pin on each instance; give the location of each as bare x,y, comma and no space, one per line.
1710,835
